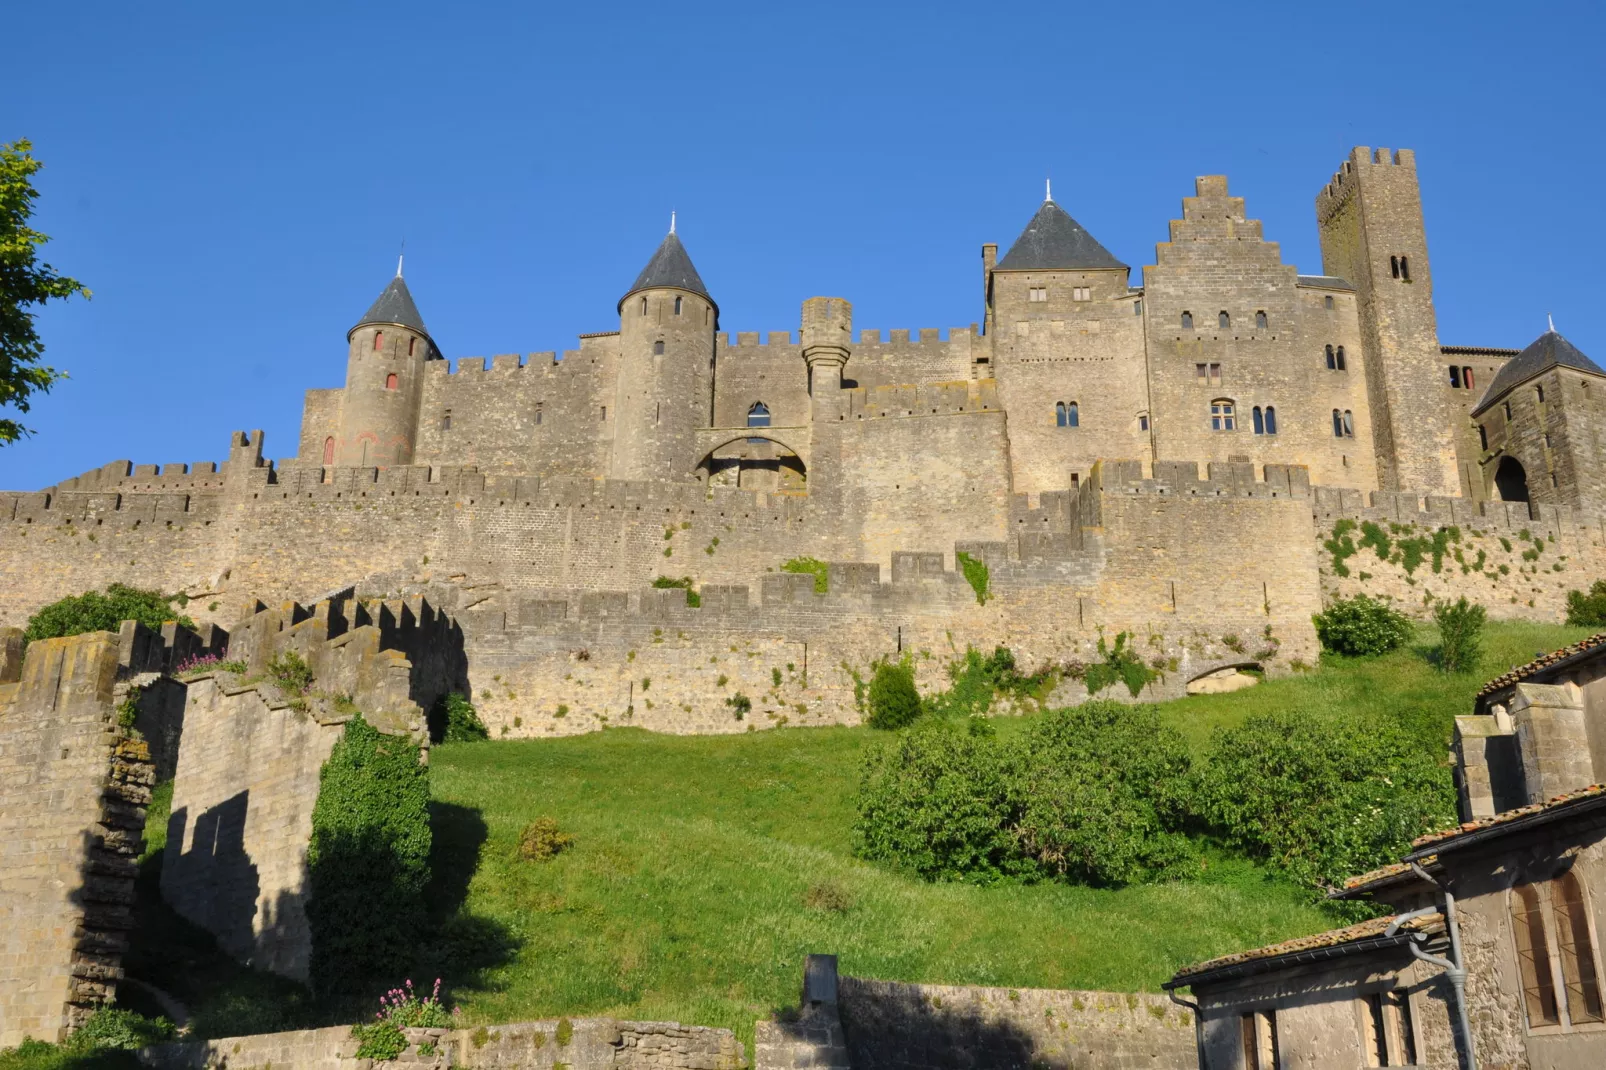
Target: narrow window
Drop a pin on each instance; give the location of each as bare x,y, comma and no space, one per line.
1507,407
1533,957
1332,361
604,416
1399,1004
390,381
1394,266
1137,308
1327,303
412,346
708,314
1340,358
657,412
1338,424
1577,949
1405,268
1259,1032
658,347
329,450
1349,424
1215,375
1259,420
677,306
1201,374
446,422
1059,414
1455,377
1377,1042
1222,415
643,306
1271,420
538,414
1260,321
1483,437
379,336
1539,392
1143,423
1466,378
1223,321
1072,415
1187,321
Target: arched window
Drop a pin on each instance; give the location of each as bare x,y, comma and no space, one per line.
1577,949
1073,416
643,306
446,422
329,450
1405,268
379,336
1340,358
1271,419
1260,321
758,415
538,413
1533,957
1059,414
677,306
1349,424
1223,321
1539,392
1259,421
1338,424
1187,321
1332,361
1466,378
1223,415
1394,266
1327,303
390,381
658,347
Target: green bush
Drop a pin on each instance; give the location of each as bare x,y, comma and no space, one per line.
368,861
931,801
113,1027
1361,626
1460,628
454,720
1099,794
1322,797
811,566
1588,610
894,702
93,611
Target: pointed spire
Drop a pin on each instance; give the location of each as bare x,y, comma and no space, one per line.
670,267
394,305
1053,241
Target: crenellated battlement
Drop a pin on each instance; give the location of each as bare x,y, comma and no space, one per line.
929,399
1433,511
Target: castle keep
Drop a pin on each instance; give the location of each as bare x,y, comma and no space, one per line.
1163,455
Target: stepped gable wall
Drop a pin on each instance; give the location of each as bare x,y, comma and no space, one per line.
74,783
248,766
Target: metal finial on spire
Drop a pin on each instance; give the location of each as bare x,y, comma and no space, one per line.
1048,189
1552,321
400,257
671,221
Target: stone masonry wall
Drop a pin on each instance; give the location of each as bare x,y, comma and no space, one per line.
73,787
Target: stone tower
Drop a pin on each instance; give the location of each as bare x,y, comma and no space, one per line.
384,382
664,394
1370,216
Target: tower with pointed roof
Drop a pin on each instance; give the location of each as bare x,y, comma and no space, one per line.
386,353
664,384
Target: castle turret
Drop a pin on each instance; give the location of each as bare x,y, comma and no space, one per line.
388,349
827,344
666,354
1370,217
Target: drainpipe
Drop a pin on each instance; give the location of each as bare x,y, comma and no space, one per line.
1454,967
1198,1022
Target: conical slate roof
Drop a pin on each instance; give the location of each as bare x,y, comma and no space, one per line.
1053,241
395,305
1549,350
670,267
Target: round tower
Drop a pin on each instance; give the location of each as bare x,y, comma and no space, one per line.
388,349
666,355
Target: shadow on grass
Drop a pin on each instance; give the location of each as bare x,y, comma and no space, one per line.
462,947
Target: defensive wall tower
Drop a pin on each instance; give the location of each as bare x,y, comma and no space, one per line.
384,383
827,338
1370,218
664,394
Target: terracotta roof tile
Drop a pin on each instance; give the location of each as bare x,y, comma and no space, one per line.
1544,661
1560,802
1332,938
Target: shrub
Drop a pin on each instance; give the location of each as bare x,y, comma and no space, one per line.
828,896
894,702
290,671
931,801
1588,610
400,1008
113,1027
1460,626
1099,793
1361,626
814,567
1322,797
368,860
693,599
454,720
976,575
1119,663
541,840
93,611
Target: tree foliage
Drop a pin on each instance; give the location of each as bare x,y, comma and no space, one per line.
455,720
1460,631
1361,626
94,611
1588,610
25,282
368,861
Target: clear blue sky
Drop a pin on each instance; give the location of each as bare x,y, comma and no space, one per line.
233,182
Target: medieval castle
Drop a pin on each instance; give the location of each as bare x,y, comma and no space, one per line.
1058,442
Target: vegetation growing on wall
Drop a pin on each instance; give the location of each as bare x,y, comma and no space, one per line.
96,611
693,599
975,681
811,566
976,575
368,860
1118,663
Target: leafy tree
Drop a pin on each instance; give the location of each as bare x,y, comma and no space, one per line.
1361,627
1588,610
1460,627
93,611
24,282
455,720
1322,797
894,702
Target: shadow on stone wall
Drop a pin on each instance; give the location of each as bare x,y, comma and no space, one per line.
915,1035
215,878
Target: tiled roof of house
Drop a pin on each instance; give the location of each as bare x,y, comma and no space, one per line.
1382,877
1560,806
1544,661
1358,937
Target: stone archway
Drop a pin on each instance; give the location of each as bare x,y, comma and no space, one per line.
1511,480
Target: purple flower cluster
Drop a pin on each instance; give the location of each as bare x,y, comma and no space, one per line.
404,1008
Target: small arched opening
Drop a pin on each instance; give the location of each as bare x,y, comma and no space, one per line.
1225,678
755,464
1511,480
